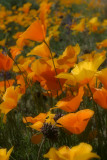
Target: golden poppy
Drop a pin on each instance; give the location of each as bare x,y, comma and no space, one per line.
84,71
93,24
44,72
4,155
71,104
68,58
8,83
79,27
11,97
100,97
26,7
5,62
41,117
102,44
14,51
43,123
36,32
76,122
41,50
101,75
79,152
44,10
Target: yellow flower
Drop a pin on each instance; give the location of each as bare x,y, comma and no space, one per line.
69,103
79,152
41,50
4,155
84,71
38,121
2,42
45,124
101,75
93,24
80,27
102,44
10,99
68,58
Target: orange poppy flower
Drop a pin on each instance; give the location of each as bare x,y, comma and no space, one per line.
22,84
20,42
41,117
76,122
102,44
14,51
95,82
79,27
68,58
102,77
44,10
8,84
17,35
71,104
39,120
44,72
10,98
100,97
36,32
93,24
2,42
41,50
5,62
49,81
26,7
44,123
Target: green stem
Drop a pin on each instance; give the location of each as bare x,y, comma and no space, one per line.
19,69
98,121
90,90
12,157
96,110
43,140
53,63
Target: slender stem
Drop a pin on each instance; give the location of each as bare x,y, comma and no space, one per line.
90,90
51,56
98,121
53,63
96,109
43,140
12,157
